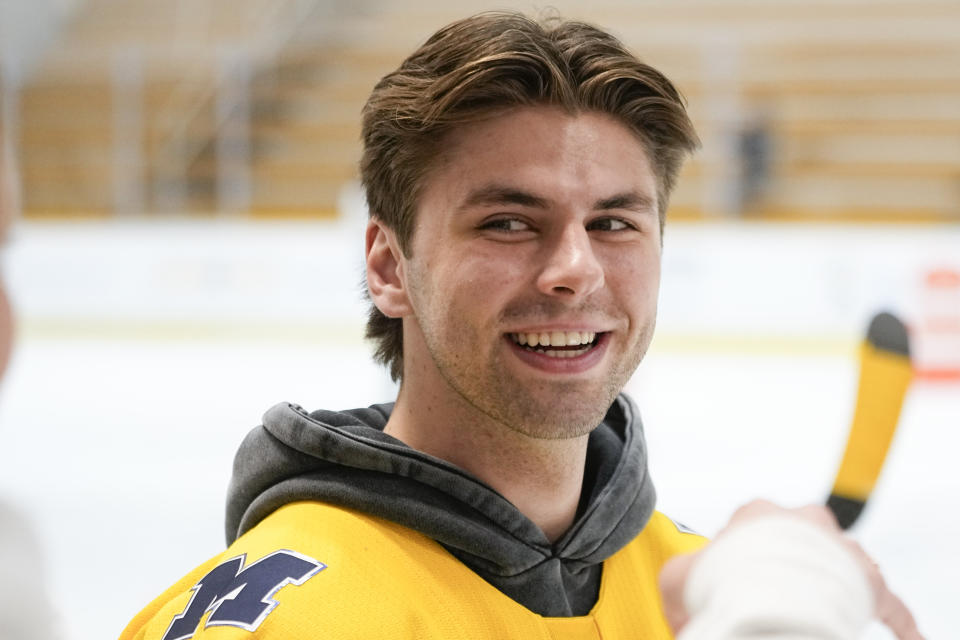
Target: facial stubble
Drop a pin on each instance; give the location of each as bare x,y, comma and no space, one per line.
536,408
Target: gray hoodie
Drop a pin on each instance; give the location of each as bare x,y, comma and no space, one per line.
344,458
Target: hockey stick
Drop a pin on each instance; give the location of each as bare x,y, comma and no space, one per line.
885,374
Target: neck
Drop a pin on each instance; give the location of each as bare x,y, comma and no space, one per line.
542,478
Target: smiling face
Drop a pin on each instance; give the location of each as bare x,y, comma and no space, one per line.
530,291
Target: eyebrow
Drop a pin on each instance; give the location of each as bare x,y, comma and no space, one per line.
493,195
500,195
628,200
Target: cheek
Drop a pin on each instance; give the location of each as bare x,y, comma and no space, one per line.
637,282
459,295
484,277
655,280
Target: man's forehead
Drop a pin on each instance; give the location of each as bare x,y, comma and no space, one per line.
523,155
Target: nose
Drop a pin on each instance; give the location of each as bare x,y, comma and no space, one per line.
571,269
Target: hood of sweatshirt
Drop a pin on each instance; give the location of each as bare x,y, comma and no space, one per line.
345,458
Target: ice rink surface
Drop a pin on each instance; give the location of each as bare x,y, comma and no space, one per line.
146,353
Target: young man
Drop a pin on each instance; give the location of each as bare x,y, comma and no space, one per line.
517,175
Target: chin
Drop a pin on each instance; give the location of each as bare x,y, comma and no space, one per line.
573,416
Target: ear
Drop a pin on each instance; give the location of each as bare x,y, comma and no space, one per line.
385,280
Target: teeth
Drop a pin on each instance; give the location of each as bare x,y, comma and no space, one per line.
554,339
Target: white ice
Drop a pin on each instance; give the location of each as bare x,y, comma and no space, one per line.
146,352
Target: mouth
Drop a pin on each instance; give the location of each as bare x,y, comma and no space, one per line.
558,344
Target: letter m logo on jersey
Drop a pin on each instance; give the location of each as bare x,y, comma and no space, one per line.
241,597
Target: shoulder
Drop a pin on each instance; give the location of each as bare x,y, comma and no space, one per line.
662,538
306,566
25,608
663,525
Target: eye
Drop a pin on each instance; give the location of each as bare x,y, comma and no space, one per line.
508,225
609,224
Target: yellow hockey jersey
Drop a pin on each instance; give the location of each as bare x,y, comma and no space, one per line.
312,570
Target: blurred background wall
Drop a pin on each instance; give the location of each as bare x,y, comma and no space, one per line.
185,250
822,110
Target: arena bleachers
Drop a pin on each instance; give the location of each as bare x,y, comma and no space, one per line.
807,110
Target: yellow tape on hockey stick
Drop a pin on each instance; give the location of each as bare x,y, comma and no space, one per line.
885,375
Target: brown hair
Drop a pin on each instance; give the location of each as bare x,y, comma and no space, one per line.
489,63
